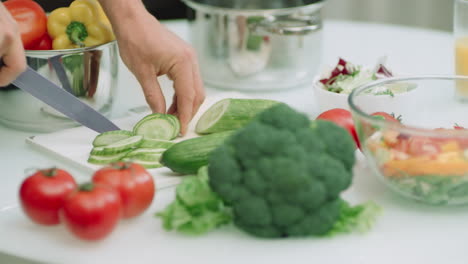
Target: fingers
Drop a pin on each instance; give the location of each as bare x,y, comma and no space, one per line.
173,108
184,93
199,90
152,91
12,54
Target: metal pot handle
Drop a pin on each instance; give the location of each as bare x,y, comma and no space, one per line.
291,25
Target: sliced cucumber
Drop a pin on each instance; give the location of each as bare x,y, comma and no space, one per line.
176,123
145,151
145,157
98,151
156,143
230,114
188,156
122,145
156,126
97,159
144,163
110,137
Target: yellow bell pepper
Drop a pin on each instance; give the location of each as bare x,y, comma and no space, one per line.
82,24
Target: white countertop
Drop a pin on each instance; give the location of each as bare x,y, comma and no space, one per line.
406,233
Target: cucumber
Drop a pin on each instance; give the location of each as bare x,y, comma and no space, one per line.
97,159
156,126
156,143
140,151
188,156
230,114
110,137
144,163
122,145
176,123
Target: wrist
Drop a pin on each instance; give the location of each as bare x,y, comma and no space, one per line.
119,11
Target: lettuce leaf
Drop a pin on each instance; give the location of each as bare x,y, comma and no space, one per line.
359,218
196,209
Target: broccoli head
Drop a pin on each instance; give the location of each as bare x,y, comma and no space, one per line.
283,175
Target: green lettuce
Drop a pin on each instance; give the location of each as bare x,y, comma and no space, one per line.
196,209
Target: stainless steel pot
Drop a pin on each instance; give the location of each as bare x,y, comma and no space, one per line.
257,44
88,73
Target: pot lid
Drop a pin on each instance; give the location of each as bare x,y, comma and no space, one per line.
255,4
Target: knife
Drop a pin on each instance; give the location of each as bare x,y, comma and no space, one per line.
48,92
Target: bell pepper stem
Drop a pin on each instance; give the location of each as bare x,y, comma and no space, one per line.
77,33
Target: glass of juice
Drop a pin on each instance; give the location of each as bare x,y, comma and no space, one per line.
460,30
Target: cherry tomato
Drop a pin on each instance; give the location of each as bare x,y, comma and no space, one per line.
45,43
386,116
43,193
134,183
31,19
343,118
92,211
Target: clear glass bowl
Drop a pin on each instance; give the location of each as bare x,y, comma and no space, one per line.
425,157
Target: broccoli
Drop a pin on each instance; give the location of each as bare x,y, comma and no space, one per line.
283,175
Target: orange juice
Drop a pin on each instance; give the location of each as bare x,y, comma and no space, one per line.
461,64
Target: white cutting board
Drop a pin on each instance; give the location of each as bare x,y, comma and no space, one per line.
74,144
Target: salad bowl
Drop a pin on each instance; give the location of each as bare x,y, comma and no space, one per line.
333,87
425,156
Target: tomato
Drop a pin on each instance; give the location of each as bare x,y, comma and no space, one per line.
45,43
422,146
43,193
386,116
343,118
31,19
134,183
92,211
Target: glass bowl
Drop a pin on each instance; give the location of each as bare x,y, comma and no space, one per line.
425,157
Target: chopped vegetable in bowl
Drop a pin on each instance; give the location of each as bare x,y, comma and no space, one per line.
346,76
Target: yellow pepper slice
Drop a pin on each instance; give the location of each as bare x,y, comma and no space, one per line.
79,25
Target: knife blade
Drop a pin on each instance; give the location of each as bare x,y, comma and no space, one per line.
38,86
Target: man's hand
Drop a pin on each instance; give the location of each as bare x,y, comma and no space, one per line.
150,50
11,48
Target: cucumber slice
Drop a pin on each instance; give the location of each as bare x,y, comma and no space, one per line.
145,157
176,123
140,151
155,126
96,159
146,164
122,145
230,114
156,143
98,151
110,137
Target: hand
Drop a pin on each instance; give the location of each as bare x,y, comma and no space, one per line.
149,50
11,48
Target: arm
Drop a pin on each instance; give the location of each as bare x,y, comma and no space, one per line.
149,50
11,48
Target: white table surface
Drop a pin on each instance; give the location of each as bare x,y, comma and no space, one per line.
409,51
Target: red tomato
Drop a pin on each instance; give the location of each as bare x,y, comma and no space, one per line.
45,43
43,193
92,211
134,183
343,118
31,19
422,146
386,116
